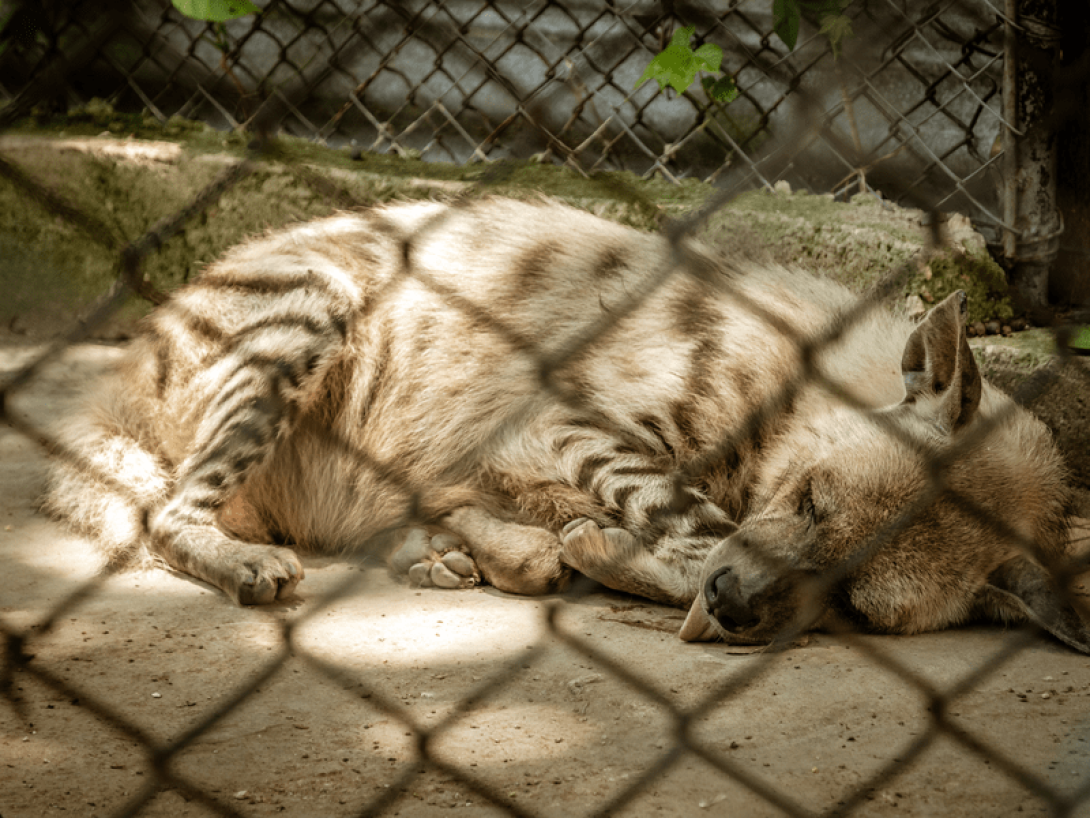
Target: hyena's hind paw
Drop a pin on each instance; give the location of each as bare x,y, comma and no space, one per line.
434,560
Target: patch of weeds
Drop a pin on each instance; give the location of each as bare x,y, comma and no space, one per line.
977,274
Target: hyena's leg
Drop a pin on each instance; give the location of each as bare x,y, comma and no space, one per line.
260,388
473,545
665,528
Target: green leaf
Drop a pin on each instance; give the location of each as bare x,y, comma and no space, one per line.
708,57
837,28
678,64
721,90
785,21
215,11
674,66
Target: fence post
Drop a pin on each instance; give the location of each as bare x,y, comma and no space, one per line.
1030,210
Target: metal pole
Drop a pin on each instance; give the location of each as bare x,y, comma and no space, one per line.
1031,238
1011,131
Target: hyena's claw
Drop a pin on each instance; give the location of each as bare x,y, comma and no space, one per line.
430,561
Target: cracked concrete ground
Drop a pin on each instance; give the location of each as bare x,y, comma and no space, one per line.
328,721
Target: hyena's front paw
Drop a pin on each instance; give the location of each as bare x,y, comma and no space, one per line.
618,560
263,574
437,560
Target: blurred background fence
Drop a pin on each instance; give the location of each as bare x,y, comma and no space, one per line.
944,105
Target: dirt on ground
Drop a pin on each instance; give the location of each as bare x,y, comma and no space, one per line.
153,689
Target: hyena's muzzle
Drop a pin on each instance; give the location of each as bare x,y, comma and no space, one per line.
754,589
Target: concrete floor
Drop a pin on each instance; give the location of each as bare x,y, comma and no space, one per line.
523,714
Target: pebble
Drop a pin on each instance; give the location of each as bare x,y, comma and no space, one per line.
576,685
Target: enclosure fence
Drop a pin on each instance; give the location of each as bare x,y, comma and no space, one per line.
424,77
918,101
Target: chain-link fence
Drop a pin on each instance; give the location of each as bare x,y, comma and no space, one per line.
913,105
917,115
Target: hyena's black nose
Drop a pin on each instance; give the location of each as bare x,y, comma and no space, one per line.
723,594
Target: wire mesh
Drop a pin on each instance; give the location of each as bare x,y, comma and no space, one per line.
331,72
912,105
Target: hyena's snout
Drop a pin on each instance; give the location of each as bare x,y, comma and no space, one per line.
724,603
752,592
758,608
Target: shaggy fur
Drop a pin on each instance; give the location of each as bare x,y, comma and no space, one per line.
546,392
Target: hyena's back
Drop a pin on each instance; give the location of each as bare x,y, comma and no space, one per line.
321,376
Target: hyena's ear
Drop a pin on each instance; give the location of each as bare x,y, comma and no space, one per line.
940,372
1021,589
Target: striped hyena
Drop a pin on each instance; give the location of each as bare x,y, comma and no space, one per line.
541,391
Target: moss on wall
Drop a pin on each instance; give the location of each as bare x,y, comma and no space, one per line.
131,171
974,272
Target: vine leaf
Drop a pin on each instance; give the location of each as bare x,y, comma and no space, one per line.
836,28
785,21
215,11
721,90
678,64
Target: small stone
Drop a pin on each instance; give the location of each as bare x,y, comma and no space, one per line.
157,695
1018,324
1006,331
992,328
980,330
241,794
576,685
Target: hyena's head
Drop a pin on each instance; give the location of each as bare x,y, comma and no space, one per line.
948,505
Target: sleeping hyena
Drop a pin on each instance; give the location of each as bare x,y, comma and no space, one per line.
540,391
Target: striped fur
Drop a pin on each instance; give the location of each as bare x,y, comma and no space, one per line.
559,391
